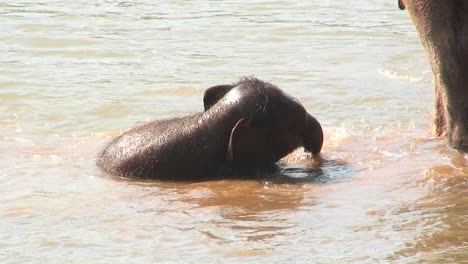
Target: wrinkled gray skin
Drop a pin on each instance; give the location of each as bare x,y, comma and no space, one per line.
251,124
443,29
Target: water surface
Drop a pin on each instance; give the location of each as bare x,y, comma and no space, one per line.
75,74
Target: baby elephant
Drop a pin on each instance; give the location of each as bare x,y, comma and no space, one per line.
250,124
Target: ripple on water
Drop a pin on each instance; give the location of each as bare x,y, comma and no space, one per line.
75,74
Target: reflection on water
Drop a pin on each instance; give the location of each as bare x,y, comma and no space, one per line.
442,215
75,75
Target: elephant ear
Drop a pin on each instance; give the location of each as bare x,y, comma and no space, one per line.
214,94
249,146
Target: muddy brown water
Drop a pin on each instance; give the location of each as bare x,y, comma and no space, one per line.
75,74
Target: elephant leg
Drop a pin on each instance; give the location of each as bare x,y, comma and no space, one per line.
443,29
439,125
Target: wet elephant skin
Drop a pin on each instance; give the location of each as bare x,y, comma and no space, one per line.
249,124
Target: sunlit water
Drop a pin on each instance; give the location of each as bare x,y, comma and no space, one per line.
74,74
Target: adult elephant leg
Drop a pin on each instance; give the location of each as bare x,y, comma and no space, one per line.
443,28
439,125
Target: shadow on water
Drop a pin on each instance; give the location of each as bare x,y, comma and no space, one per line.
245,201
327,171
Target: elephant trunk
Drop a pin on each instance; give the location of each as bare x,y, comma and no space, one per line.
312,135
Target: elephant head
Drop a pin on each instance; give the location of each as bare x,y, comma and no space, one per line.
275,123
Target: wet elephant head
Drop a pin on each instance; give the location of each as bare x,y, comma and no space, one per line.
272,125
